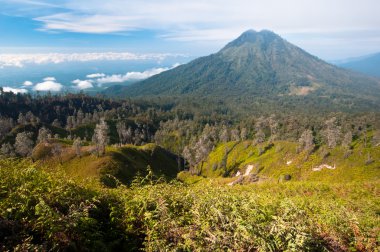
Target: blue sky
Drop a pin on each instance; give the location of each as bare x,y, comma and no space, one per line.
328,29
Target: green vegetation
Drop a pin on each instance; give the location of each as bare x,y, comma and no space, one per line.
117,165
45,210
282,158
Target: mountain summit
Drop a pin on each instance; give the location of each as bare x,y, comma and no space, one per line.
260,65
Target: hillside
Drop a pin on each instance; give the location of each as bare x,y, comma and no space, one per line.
262,67
118,163
271,163
45,210
369,65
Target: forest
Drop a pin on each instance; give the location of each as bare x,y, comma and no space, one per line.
85,173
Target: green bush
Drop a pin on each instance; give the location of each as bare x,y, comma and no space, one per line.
47,211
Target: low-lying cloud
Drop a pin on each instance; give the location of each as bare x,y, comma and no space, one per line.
15,90
132,76
28,83
49,84
83,84
95,75
19,60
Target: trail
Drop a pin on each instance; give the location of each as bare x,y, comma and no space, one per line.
326,166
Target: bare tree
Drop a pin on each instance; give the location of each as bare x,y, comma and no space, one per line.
77,146
259,136
56,123
21,119
347,139
332,133
6,125
223,135
70,123
121,131
273,126
259,127
57,151
235,135
43,135
306,140
376,138
244,134
24,144
100,137
7,150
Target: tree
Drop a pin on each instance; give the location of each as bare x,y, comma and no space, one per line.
259,136
21,119
6,125
57,151
121,131
77,146
273,126
43,135
24,144
56,123
7,150
259,127
306,140
189,156
100,137
376,138
243,134
332,133
347,139
235,135
223,135
70,123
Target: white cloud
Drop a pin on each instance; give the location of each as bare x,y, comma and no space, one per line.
168,15
95,75
49,84
220,20
132,76
83,84
28,83
49,79
19,60
15,90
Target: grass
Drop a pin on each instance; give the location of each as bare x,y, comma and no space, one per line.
118,164
272,163
43,209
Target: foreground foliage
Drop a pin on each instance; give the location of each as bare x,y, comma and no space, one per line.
42,210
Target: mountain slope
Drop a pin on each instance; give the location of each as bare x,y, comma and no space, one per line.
282,158
124,163
368,65
259,64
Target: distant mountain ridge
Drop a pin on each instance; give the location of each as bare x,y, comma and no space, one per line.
369,64
259,65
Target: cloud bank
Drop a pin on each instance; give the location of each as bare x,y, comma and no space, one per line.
15,90
19,60
101,78
131,76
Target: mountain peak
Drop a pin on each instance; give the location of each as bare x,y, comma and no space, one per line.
252,36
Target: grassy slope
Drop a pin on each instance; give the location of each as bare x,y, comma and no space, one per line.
124,162
273,163
42,210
